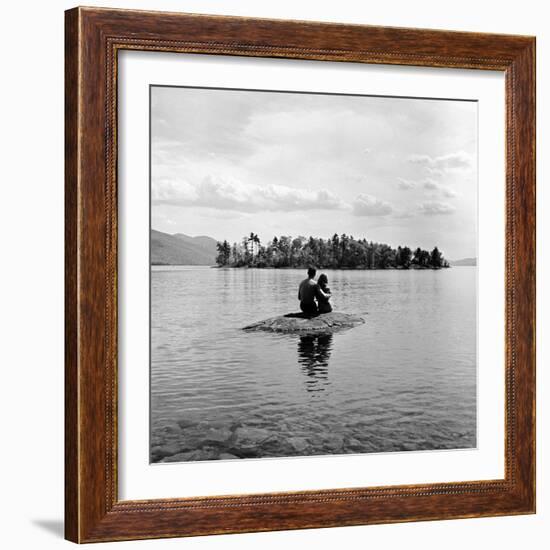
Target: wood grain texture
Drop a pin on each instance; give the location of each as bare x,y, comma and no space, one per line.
93,38
71,270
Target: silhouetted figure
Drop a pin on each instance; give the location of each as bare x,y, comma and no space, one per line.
307,292
323,295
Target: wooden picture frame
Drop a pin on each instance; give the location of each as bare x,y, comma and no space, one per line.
93,511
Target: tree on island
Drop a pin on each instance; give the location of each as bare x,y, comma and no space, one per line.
254,241
403,257
224,253
336,252
435,258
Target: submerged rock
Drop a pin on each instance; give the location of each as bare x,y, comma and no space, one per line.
299,323
184,457
217,435
166,450
298,444
334,442
250,437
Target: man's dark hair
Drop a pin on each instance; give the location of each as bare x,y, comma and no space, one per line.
311,271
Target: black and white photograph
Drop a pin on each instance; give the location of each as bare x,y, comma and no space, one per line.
313,274
274,275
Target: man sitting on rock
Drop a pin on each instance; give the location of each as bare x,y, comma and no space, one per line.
307,292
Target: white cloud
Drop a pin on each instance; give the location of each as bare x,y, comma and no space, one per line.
431,185
403,215
231,194
367,205
449,193
452,162
435,208
405,185
302,144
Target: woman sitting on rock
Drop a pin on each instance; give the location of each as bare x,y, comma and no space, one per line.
324,294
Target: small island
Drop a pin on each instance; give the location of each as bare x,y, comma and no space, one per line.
304,325
336,252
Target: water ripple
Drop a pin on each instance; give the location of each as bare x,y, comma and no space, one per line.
405,380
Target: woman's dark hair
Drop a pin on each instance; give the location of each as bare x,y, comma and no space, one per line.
322,280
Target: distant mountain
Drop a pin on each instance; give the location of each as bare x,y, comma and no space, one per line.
208,243
464,261
181,249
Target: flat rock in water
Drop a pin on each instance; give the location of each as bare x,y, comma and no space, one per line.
298,323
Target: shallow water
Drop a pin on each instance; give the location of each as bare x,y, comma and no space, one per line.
405,380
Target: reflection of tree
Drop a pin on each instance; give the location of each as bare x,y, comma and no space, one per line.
313,356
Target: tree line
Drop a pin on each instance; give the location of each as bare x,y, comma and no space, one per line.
336,252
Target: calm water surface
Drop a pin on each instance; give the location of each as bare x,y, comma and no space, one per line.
405,380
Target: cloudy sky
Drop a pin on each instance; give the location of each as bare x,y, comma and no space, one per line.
400,171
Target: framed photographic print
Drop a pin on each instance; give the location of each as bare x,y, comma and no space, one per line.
300,275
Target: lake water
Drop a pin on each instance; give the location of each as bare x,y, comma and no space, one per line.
403,381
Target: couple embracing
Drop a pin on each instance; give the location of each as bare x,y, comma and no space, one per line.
314,295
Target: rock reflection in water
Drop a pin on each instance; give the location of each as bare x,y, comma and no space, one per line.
313,356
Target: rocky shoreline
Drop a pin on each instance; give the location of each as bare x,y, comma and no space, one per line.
213,440
193,441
